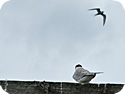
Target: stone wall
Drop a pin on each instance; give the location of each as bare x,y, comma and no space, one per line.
37,87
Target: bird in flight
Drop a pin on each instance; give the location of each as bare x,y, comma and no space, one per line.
100,13
82,75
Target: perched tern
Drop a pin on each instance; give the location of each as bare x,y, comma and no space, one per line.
82,75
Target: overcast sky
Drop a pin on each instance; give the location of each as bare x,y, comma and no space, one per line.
44,40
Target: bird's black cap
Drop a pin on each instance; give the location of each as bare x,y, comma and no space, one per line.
78,66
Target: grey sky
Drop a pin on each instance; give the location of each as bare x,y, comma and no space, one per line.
44,40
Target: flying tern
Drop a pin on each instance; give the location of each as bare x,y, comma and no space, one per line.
100,13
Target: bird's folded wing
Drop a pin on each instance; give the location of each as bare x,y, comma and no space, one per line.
79,74
85,73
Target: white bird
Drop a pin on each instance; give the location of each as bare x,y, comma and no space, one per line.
2,91
2,2
82,75
122,2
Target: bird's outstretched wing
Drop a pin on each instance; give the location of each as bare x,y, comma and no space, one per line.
104,18
98,9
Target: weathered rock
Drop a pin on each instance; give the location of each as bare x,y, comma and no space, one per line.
37,87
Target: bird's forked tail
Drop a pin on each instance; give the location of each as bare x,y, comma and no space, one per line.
98,72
